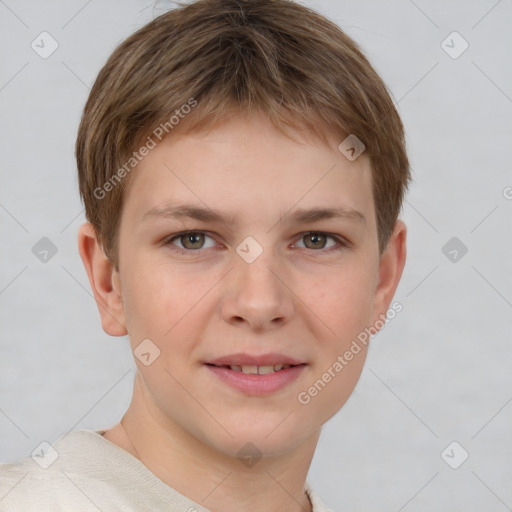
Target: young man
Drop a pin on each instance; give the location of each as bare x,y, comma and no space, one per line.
242,168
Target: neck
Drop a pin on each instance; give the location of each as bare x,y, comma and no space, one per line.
215,480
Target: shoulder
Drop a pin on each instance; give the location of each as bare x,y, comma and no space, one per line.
83,471
25,486
317,504
61,477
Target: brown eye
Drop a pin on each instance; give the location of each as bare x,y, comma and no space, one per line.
315,240
318,241
192,240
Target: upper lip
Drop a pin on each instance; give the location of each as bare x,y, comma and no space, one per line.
251,360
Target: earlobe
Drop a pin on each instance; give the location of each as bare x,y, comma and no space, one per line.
104,281
391,266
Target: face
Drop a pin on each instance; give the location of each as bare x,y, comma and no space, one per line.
241,249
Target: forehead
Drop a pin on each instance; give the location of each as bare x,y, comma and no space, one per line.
245,166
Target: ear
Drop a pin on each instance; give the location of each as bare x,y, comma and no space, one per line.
104,280
391,265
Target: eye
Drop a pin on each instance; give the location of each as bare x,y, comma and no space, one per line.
318,240
190,240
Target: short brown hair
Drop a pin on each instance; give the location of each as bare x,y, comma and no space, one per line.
231,56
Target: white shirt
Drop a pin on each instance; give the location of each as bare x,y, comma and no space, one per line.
84,472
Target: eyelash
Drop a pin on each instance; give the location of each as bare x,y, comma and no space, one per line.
342,243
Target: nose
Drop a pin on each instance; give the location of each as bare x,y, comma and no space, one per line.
256,296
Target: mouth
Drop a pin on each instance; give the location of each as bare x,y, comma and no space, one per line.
254,369
256,376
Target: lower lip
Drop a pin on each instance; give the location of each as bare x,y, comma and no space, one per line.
257,385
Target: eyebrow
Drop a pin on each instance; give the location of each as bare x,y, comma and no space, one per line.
204,214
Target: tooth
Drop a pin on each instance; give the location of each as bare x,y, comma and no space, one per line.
278,367
286,366
250,369
236,368
263,370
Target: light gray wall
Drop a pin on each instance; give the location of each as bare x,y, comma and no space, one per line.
438,373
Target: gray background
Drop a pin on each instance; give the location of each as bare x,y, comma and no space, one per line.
439,372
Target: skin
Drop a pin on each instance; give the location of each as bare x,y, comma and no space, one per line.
303,297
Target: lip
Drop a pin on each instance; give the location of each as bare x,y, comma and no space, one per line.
242,359
252,384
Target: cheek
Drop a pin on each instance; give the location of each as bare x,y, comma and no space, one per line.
341,299
157,295
166,305
343,302
332,386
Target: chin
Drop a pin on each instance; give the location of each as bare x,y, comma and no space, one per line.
256,439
